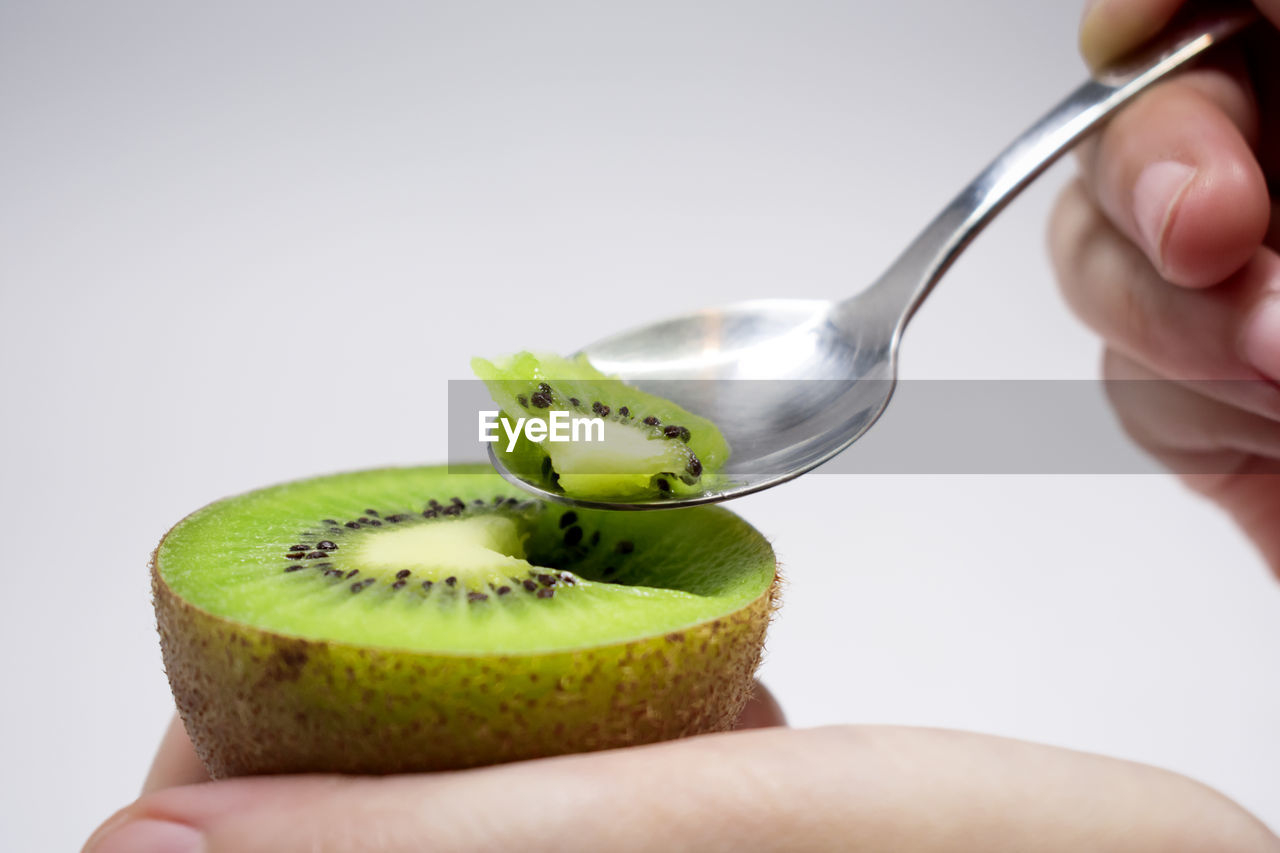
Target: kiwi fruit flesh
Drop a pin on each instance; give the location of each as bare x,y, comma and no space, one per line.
433,618
650,446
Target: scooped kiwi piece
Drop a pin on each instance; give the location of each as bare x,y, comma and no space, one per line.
647,446
430,618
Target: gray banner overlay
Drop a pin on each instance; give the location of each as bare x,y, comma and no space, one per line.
949,427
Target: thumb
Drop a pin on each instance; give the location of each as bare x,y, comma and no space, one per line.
1112,28
774,789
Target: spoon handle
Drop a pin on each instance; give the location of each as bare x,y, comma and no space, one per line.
901,289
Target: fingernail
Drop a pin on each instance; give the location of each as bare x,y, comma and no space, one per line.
1155,196
1261,338
147,836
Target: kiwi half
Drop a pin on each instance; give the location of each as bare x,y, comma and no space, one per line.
651,447
429,618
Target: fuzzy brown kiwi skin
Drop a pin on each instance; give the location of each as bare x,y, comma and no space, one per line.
257,702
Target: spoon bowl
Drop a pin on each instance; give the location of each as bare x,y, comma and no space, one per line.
789,386
742,362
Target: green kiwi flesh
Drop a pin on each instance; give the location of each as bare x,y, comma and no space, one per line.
433,618
651,447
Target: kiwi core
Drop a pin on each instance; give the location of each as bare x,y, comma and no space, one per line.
466,548
621,464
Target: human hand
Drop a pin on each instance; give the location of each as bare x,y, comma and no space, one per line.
1165,247
847,788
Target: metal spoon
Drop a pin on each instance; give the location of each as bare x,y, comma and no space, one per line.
824,371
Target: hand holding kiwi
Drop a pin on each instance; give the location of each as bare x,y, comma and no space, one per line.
431,620
303,631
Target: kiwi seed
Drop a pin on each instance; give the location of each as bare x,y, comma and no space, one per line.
677,432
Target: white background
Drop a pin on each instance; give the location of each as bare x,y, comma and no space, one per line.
241,245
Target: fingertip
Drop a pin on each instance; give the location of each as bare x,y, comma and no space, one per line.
148,836
105,829
1176,173
1109,29
1214,224
176,762
761,711
1100,41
